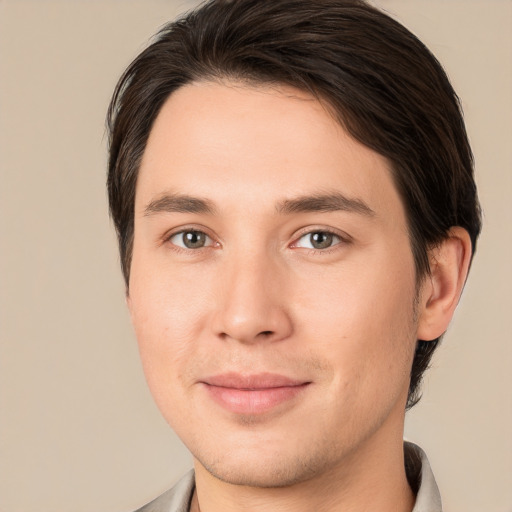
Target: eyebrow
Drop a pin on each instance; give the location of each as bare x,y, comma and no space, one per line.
178,203
325,203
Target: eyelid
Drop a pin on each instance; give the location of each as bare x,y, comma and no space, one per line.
208,240
343,237
166,238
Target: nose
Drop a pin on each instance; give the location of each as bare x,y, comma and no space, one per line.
252,304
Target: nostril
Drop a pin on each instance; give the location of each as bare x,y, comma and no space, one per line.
266,333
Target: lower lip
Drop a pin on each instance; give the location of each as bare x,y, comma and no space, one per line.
253,401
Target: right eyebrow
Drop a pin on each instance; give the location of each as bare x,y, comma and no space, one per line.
179,203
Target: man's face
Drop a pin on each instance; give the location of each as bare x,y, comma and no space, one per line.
272,285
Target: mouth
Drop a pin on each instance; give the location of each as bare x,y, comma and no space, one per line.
253,394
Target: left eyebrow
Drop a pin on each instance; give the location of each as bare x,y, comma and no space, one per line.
179,203
324,203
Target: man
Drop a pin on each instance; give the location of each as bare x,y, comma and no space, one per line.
293,192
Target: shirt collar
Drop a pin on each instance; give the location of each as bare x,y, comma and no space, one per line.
421,479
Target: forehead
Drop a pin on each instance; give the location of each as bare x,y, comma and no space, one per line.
257,143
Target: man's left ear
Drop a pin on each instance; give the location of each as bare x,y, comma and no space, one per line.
440,293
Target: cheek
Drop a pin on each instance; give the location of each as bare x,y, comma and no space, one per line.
167,303
357,299
165,351
167,316
360,319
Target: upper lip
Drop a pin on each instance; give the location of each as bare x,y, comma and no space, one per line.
252,382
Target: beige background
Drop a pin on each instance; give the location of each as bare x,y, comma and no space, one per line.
78,429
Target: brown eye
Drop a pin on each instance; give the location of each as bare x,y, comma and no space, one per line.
318,240
321,240
191,239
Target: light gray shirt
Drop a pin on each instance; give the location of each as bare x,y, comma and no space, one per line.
417,467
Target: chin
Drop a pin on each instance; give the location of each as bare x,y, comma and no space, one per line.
271,467
273,474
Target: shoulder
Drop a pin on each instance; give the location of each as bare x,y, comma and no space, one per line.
176,499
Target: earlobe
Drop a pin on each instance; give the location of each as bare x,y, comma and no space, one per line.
449,264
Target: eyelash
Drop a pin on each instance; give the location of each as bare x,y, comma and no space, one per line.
168,238
342,240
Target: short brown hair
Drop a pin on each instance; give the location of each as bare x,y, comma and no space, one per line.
382,84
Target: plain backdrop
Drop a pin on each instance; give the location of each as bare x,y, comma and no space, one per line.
78,428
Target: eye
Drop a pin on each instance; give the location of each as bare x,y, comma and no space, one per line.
318,240
191,239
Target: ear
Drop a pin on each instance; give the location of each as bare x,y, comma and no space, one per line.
440,293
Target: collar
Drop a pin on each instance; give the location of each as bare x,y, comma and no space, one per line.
421,479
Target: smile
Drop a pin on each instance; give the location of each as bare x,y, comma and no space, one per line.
252,394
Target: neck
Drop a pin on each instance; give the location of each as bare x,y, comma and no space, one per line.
371,478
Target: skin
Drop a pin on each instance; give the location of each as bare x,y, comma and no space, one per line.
260,297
